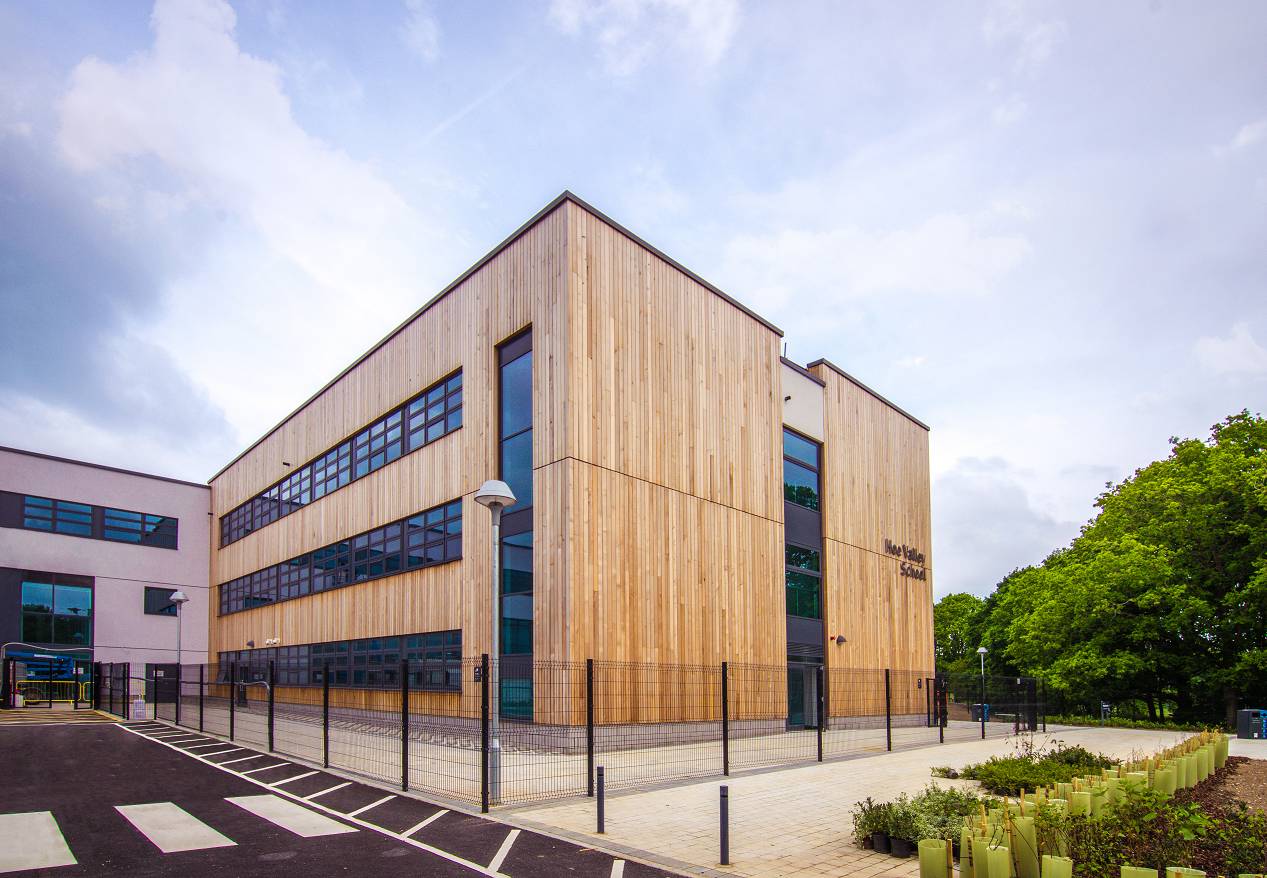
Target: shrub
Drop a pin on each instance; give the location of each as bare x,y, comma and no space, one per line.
868,817
1033,767
1122,723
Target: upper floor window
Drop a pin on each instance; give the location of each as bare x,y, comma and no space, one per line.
431,414
801,470
86,520
804,577
158,601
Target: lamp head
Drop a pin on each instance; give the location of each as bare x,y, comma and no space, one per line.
178,597
495,494
981,650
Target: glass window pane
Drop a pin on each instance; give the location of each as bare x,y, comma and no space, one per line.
516,469
37,628
516,395
800,485
37,597
801,449
517,563
72,630
74,600
806,559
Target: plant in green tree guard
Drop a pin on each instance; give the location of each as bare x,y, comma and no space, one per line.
1057,867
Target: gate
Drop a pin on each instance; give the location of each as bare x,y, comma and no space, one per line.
45,681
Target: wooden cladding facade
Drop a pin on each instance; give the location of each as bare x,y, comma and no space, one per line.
658,495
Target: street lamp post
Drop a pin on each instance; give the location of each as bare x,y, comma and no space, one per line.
496,495
981,651
178,598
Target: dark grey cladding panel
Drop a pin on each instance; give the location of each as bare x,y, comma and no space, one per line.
802,633
10,604
802,526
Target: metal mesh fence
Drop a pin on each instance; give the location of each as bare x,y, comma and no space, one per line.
535,730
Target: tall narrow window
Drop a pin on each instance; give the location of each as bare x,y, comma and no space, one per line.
800,470
515,452
803,570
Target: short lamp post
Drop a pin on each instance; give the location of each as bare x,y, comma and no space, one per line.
496,495
981,651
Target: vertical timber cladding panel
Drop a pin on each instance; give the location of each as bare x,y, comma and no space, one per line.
675,493
876,487
523,283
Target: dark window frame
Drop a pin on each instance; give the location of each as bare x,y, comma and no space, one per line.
360,558
816,469
795,594
152,607
402,430
75,518
55,581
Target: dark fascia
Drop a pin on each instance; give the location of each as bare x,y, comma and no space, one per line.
514,236
102,466
798,368
841,372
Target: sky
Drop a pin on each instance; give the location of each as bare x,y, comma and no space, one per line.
1039,227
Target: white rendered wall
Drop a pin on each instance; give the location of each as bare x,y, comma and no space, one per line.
804,411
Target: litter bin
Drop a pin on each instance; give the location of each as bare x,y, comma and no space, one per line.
138,710
1251,724
975,710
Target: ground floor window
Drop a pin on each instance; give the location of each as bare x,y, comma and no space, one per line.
56,614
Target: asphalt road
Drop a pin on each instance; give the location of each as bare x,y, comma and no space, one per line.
147,800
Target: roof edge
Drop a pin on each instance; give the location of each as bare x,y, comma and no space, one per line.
114,469
801,370
842,373
564,196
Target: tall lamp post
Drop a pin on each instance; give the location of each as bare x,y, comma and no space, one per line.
178,598
496,495
981,651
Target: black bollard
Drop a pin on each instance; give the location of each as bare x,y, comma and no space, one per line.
725,826
602,823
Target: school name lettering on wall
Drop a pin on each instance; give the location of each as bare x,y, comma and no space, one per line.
912,559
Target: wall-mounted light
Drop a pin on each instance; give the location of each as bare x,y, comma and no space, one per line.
285,463
787,399
840,638
250,644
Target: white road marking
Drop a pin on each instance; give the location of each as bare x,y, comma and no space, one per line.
500,856
157,736
243,759
618,869
213,744
364,824
218,753
171,828
360,811
41,843
432,819
291,816
278,783
329,790
265,768
186,739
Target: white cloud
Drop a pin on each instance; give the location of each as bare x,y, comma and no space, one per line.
912,362
1239,353
297,234
420,31
1249,135
1034,41
947,254
629,33
1010,111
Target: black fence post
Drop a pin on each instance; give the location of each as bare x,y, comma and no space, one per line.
484,733
820,706
941,710
589,727
1043,697
325,716
983,707
725,825
50,688
6,700
602,802
272,687
202,685
233,695
127,691
725,718
404,725
888,712
928,701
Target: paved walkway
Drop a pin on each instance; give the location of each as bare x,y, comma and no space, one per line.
796,821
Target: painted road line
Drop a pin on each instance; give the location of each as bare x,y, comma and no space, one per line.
365,808
213,744
278,783
243,759
289,815
171,828
42,845
330,790
500,856
188,739
217,753
618,869
432,819
364,824
265,768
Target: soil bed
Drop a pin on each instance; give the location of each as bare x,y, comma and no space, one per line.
1240,780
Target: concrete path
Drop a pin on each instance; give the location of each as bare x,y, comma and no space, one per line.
795,821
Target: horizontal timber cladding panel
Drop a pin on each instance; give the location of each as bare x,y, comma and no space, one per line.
875,471
661,577
886,619
525,283
670,383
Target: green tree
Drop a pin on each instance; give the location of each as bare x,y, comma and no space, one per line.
956,630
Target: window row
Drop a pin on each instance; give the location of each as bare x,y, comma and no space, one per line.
87,520
422,540
435,662
433,413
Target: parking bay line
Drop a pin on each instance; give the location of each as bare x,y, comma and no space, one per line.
278,783
500,856
365,808
329,790
172,829
265,768
290,815
243,759
432,819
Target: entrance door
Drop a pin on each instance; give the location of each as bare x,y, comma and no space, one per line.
802,696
